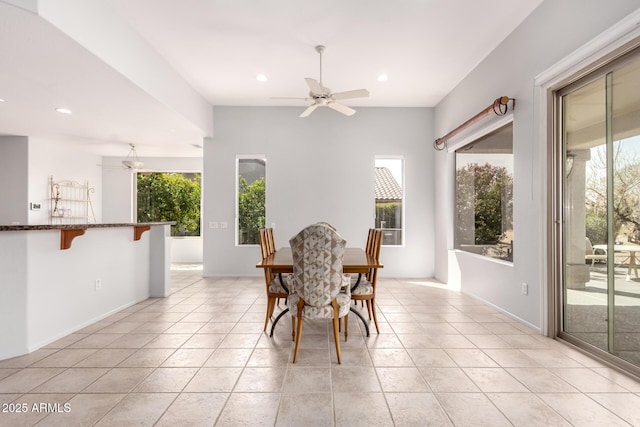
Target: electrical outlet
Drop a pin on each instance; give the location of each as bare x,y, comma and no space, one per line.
213,225
98,284
223,225
525,289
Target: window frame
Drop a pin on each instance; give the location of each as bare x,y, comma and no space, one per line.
402,184
471,138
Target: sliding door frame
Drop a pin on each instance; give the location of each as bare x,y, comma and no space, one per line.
618,40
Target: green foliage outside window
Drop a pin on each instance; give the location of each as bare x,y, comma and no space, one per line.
386,214
251,210
389,217
485,195
170,197
596,225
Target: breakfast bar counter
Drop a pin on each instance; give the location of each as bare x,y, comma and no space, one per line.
57,279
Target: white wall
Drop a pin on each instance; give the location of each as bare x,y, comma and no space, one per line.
320,168
63,161
13,293
14,172
186,250
119,193
61,295
552,31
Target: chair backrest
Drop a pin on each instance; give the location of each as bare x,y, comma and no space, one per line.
318,253
589,246
267,242
326,224
370,238
271,243
376,244
264,247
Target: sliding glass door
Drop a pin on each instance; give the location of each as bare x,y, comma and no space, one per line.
600,134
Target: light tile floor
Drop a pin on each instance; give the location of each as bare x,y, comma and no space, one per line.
199,357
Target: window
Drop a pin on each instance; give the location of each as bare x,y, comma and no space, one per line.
251,197
484,195
170,196
389,189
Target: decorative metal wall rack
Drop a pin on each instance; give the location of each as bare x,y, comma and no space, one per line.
70,202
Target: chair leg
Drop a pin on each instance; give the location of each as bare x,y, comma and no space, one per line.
336,334
293,328
373,310
269,312
369,308
299,331
346,327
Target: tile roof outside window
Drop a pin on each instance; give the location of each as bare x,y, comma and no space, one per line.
387,188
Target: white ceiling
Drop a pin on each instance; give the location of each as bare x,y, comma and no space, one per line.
219,47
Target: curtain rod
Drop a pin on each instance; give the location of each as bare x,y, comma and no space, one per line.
499,107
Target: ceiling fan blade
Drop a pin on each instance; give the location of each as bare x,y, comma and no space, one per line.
309,110
341,108
360,93
314,86
289,97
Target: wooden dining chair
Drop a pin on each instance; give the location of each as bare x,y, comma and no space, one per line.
370,238
318,281
274,287
271,243
369,248
365,290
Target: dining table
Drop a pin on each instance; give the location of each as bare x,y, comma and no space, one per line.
355,261
631,249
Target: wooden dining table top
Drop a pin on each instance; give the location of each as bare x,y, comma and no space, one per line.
355,260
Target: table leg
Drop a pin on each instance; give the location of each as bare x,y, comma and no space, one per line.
273,324
364,322
357,282
282,282
632,265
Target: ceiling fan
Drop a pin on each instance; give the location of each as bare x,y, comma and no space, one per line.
323,97
131,162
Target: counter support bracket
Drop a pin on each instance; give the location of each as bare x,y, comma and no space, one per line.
67,235
138,230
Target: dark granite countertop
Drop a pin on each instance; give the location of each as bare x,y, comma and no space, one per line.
76,226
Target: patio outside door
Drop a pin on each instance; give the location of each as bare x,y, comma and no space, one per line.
600,132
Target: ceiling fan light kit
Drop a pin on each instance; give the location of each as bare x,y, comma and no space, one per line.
323,97
132,161
132,164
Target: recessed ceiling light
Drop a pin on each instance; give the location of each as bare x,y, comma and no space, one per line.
2,100
383,78
197,145
261,78
63,110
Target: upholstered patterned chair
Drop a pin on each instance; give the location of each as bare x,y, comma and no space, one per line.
365,289
275,290
317,280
